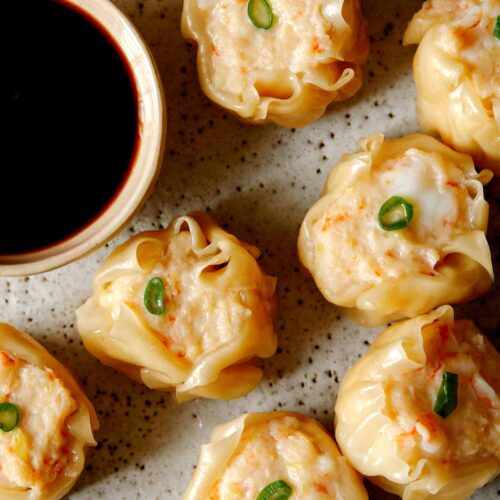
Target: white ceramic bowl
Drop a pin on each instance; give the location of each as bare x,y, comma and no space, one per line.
147,161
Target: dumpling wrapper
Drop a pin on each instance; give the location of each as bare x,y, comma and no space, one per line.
457,74
218,316
78,426
374,275
288,74
284,444
384,420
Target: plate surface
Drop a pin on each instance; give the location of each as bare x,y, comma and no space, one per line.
258,182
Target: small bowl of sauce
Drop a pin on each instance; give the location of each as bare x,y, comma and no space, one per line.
85,130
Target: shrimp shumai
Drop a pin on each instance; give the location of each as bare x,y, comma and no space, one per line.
278,61
183,309
399,230
46,421
271,456
457,73
419,413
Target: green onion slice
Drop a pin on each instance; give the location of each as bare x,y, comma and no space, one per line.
260,14
279,490
154,297
396,213
496,31
9,416
447,396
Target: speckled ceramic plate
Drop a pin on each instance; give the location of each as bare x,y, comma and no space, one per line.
258,182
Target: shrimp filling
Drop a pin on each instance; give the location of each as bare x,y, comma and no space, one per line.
243,56
472,431
35,453
352,246
198,318
472,23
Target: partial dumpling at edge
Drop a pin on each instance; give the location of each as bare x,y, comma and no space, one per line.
257,449
457,78
45,454
385,420
219,308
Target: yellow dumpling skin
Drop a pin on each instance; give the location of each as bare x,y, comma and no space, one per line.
386,421
457,73
258,449
217,308
287,74
378,272
43,455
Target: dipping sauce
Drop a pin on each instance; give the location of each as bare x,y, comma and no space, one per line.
69,106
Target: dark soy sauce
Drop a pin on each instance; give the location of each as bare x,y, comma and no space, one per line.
69,108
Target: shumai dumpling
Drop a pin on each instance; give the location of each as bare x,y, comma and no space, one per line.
259,454
46,421
457,72
399,230
278,61
419,413
183,309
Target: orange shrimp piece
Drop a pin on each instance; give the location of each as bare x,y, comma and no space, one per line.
428,421
320,488
444,331
6,360
316,47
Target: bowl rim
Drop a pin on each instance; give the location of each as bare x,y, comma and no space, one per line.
146,163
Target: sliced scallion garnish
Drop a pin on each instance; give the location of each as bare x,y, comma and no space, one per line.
154,297
260,14
496,31
447,396
396,213
279,490
9,416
